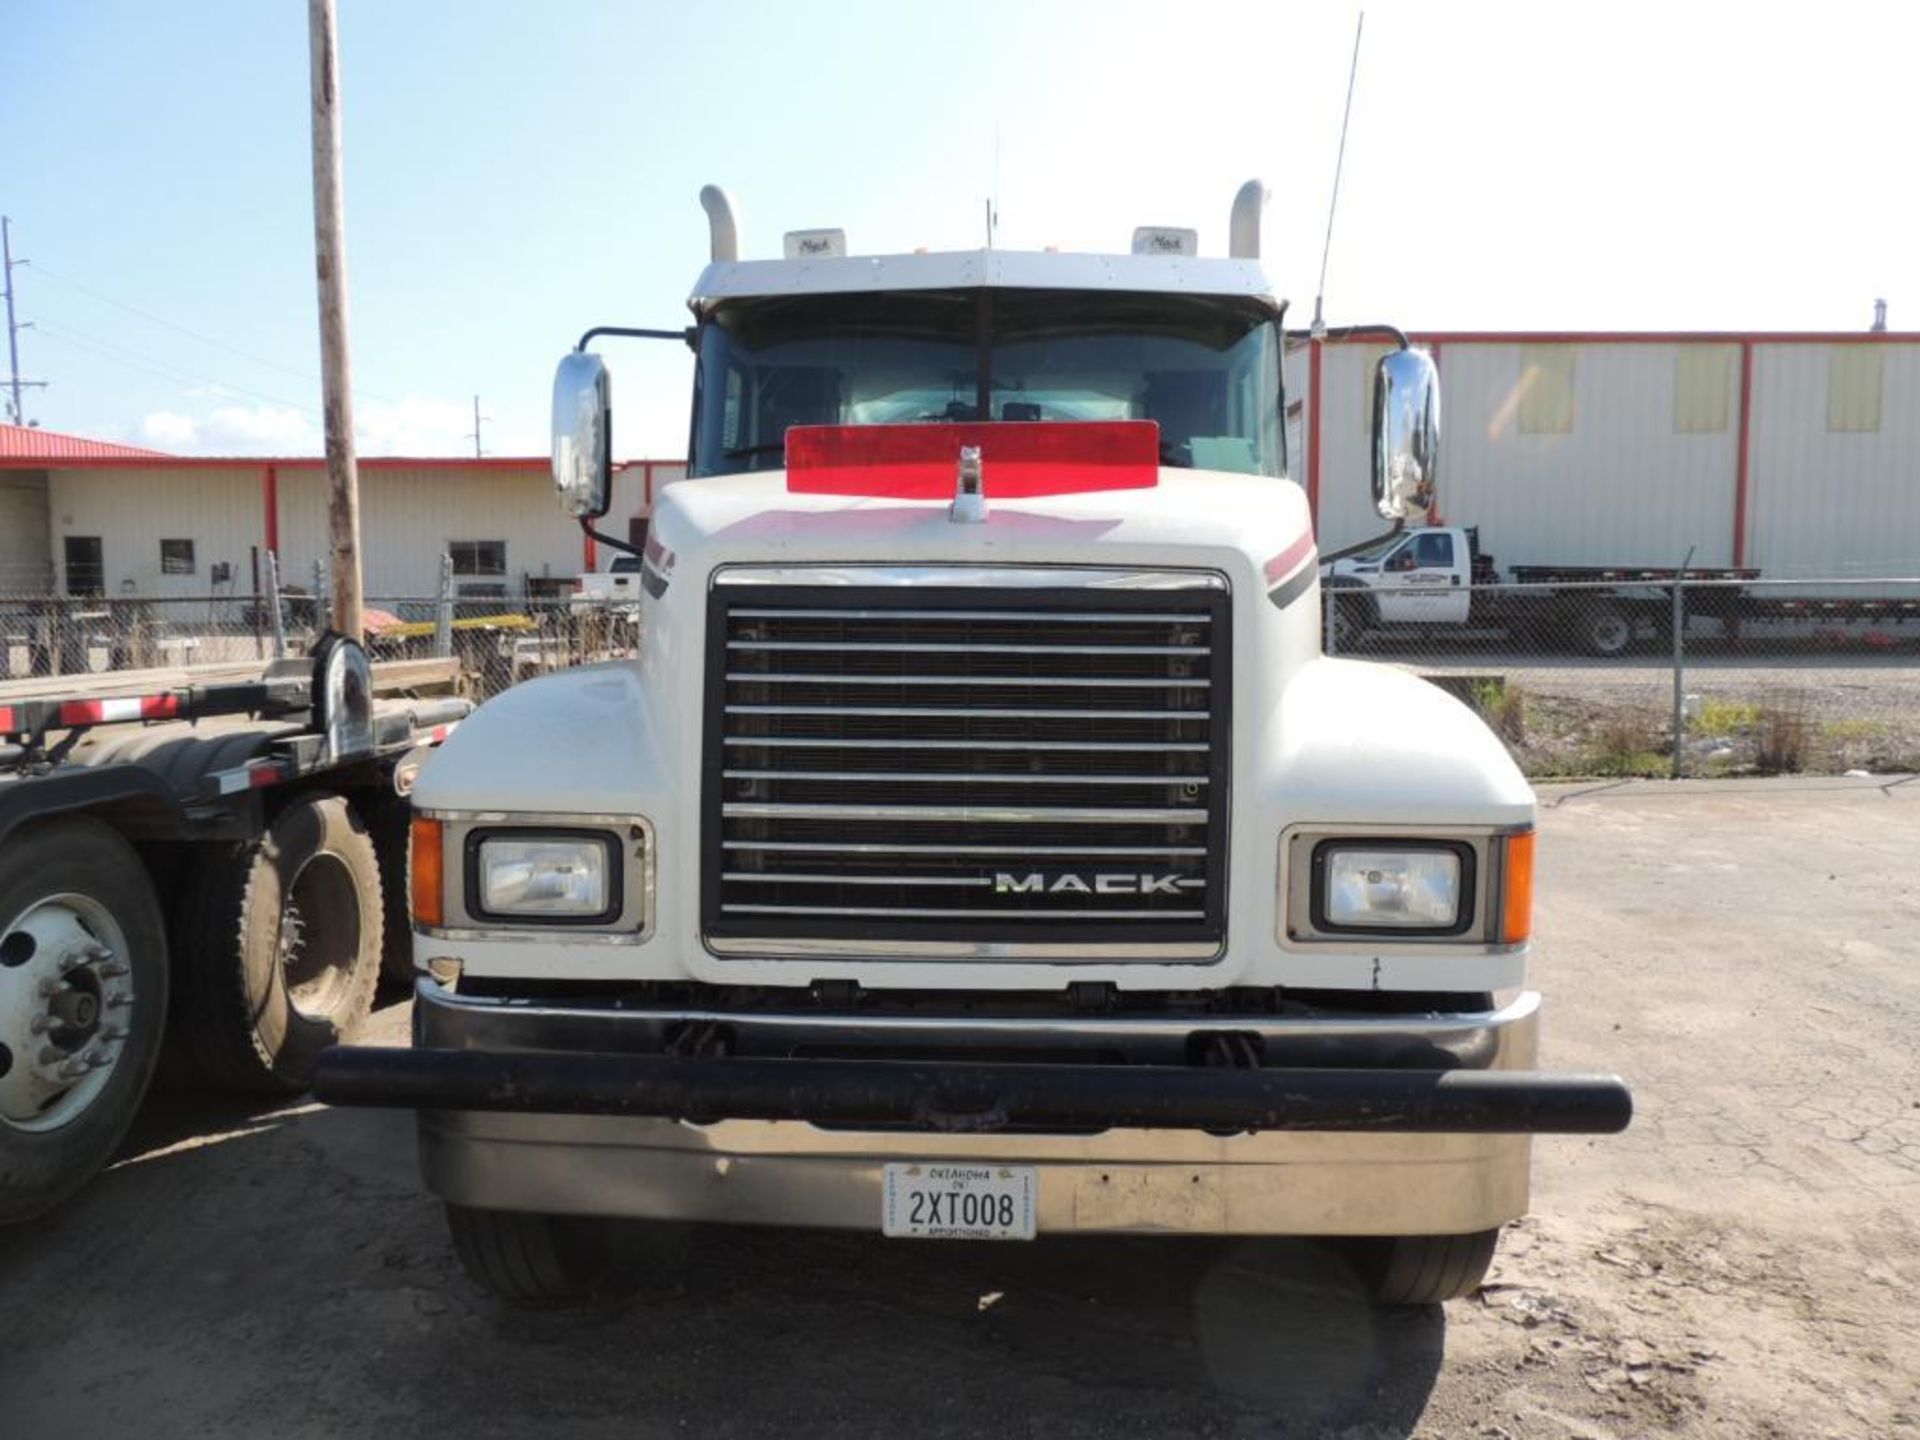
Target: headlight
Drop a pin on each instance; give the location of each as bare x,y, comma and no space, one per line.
563,877
1412,888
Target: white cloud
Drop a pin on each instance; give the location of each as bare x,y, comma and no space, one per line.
168,430
232,430
417,425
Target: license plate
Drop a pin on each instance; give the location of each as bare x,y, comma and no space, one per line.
958,1202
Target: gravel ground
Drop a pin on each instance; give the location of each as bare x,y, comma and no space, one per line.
1742,1262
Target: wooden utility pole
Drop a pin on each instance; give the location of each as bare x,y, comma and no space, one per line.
330,269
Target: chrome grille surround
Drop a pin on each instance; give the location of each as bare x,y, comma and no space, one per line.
1013,763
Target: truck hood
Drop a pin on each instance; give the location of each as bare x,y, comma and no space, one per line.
1256,528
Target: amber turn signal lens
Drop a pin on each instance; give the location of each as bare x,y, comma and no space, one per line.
426,872
1516,905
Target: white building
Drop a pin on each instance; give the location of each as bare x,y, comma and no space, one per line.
79,516
1799,454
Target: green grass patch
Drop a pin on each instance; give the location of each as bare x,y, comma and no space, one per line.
1720,719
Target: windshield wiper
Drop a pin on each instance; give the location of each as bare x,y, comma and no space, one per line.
745,450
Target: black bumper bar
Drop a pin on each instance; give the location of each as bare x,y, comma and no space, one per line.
977,1097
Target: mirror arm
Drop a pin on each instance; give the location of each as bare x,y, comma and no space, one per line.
1348,332
601,537
1398,526
627,332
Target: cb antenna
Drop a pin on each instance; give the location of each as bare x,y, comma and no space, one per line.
1318,329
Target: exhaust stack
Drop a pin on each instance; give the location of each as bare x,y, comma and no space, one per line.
723,228
1243,232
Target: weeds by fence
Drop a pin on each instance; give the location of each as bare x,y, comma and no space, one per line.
1604,678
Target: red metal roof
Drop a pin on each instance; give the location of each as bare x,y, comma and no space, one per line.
23,442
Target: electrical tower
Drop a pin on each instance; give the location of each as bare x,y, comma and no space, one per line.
474,434
15,414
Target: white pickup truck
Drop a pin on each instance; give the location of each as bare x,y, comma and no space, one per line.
617,585
1436,580
981,846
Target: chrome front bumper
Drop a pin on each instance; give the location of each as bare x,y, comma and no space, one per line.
1370,1177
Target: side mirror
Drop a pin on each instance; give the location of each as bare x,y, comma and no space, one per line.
582,436
1406,434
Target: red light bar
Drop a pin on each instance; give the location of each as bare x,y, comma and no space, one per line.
1019,459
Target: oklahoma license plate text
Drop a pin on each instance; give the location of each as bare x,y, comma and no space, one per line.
958,1202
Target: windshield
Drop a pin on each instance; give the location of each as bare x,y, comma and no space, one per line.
1206,369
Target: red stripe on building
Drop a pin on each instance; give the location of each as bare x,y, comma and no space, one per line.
1742,465
270,506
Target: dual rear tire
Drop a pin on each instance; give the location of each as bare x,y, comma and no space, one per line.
280,944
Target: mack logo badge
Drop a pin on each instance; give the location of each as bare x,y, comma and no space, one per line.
1036,883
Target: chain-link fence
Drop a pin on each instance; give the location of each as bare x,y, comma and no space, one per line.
1579,678
1599,677
499,641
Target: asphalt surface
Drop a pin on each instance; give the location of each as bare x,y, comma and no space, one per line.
1742,1262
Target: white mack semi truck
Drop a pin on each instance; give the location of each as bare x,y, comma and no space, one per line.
981,846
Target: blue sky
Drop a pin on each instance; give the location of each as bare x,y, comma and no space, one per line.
516,172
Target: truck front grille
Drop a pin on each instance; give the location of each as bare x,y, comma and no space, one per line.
993,771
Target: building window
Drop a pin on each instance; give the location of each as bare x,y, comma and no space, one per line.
478,557
1702,382
1853,387
1546,389
176,557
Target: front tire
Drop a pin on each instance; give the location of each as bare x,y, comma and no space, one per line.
83,1000
1426,1269
534,1259
280,947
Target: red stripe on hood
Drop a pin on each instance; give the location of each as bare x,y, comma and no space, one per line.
1283,564
1019,459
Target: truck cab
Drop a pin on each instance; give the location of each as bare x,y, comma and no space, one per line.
980,845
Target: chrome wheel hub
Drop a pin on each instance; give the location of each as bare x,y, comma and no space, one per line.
66,1003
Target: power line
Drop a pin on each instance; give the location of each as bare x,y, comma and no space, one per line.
166,370
204,339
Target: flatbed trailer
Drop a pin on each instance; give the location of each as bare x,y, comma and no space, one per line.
1438,582
207,875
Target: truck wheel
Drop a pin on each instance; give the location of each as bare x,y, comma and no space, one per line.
1604,630
83,1000
1426,1269
1349,623
389,831
280,948
533,1259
